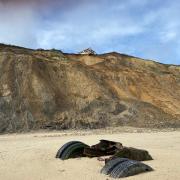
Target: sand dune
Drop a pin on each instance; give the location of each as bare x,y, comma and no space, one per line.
32,156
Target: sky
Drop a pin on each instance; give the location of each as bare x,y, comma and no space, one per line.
149,29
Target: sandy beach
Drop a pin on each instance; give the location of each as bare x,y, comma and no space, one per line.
32,156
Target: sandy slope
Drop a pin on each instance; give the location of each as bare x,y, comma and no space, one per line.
31,156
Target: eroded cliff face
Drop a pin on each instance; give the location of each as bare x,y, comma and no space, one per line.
49,89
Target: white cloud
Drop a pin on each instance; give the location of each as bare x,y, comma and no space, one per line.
17,26
168,36
88,26
144,28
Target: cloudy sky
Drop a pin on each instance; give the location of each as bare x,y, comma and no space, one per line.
145,28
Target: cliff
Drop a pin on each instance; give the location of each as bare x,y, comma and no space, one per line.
42,89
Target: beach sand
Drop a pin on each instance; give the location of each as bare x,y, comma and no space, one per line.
32,156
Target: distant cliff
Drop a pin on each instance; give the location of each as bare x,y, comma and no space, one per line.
50,89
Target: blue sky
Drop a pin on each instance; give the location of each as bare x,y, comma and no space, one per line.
148,29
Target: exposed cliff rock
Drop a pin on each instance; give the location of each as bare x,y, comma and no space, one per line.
49,89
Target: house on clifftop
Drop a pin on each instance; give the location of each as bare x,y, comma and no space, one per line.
88,51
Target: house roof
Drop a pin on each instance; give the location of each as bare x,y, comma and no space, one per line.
87,51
